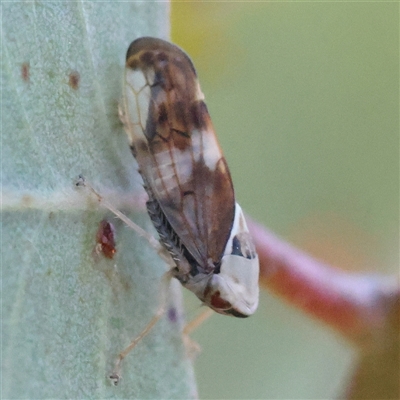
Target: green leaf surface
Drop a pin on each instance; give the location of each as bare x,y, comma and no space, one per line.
66,310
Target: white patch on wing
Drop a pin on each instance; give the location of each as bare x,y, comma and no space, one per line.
132,124
135,79
183,164
143,102
150,76
136,103
167,183
199,93
239,226
205,144
131,115
212,153
196,144
169,180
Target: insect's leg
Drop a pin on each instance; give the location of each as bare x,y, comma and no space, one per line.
115,376
192,347
196,322
140,231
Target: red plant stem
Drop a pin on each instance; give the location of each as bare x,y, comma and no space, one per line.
355,305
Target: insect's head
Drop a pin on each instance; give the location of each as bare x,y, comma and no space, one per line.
233,289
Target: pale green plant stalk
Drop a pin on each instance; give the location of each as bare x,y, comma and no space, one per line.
67,310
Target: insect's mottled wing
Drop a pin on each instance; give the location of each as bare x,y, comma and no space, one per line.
173,140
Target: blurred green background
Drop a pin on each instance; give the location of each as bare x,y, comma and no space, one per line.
305,101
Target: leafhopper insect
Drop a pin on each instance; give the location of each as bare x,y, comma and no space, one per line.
191,199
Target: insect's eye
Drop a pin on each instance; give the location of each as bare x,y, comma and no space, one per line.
242,245
218,302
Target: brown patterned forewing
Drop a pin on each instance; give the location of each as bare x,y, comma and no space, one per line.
178,153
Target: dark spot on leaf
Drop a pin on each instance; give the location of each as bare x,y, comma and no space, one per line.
105,239
74,79
172,314
25,71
